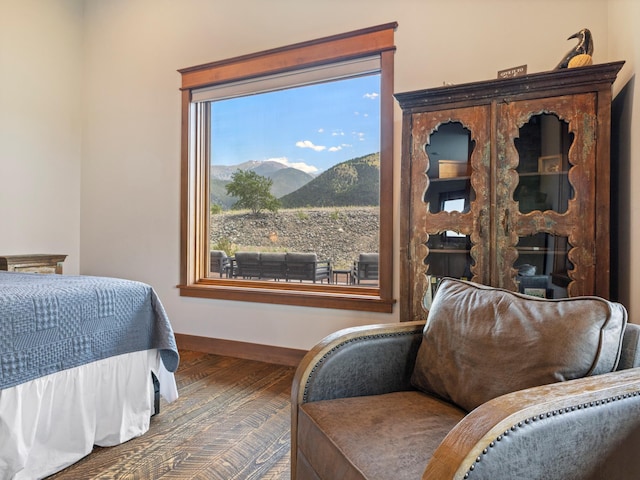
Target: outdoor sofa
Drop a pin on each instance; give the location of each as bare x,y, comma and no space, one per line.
288,266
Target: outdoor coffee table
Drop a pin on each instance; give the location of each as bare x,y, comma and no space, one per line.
346,272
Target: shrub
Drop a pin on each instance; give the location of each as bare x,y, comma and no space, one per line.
225,244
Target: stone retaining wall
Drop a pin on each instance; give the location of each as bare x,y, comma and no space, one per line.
339,234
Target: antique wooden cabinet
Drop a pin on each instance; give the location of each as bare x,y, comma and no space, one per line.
32,263
507,183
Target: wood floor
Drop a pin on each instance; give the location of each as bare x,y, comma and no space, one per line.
232,421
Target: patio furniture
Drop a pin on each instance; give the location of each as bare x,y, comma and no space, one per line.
306,266
273,265
218,262
247,265
279,265
342,271
365,268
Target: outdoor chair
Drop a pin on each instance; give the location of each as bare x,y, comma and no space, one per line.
365,268
305,266
218,262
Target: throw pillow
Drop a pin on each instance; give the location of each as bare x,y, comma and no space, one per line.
481,342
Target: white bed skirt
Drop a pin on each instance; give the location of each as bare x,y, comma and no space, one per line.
52,422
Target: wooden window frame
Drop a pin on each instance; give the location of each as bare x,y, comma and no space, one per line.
194,241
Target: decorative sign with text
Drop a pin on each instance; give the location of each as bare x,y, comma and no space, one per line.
513,72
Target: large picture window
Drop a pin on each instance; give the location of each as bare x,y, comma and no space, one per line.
287,174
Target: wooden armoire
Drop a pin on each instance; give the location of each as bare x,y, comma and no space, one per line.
507,183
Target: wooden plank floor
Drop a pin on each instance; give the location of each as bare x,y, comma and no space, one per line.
232,421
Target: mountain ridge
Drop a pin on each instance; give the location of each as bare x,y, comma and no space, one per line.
354,182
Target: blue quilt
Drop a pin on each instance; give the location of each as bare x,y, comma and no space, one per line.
49,323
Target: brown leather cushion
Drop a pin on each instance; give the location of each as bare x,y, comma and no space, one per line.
390,436
481,342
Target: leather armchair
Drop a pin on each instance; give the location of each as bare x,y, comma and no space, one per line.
587,428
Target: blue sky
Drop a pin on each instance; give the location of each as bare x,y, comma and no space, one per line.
311,128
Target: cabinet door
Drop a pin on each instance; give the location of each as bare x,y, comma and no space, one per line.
545,191
450,200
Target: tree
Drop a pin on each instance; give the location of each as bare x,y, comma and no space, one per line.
253,191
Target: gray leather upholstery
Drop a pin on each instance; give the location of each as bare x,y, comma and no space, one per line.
367,365
598,441
630,354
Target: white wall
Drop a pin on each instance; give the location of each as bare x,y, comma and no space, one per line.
624,44
131,116
130,187
40,127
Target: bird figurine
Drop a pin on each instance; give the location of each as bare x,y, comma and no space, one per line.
584,47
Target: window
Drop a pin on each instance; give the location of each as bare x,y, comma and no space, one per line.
229,112
455,203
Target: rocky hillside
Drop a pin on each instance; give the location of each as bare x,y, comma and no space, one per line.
339,234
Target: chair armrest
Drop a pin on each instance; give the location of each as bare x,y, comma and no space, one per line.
630,353
323,265
357,361
587,428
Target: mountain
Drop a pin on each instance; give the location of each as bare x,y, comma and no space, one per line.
288,180
285,179
218,194
266,169
355,182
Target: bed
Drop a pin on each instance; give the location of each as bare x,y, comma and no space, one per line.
81,358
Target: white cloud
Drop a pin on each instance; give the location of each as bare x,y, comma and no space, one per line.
309,144
340,147
299,165
359,135
321,130
337,133
371,96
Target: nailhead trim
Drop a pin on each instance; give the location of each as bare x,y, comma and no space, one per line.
535,418
346,342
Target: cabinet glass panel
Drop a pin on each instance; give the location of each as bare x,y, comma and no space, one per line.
542,265
543,150
449,194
